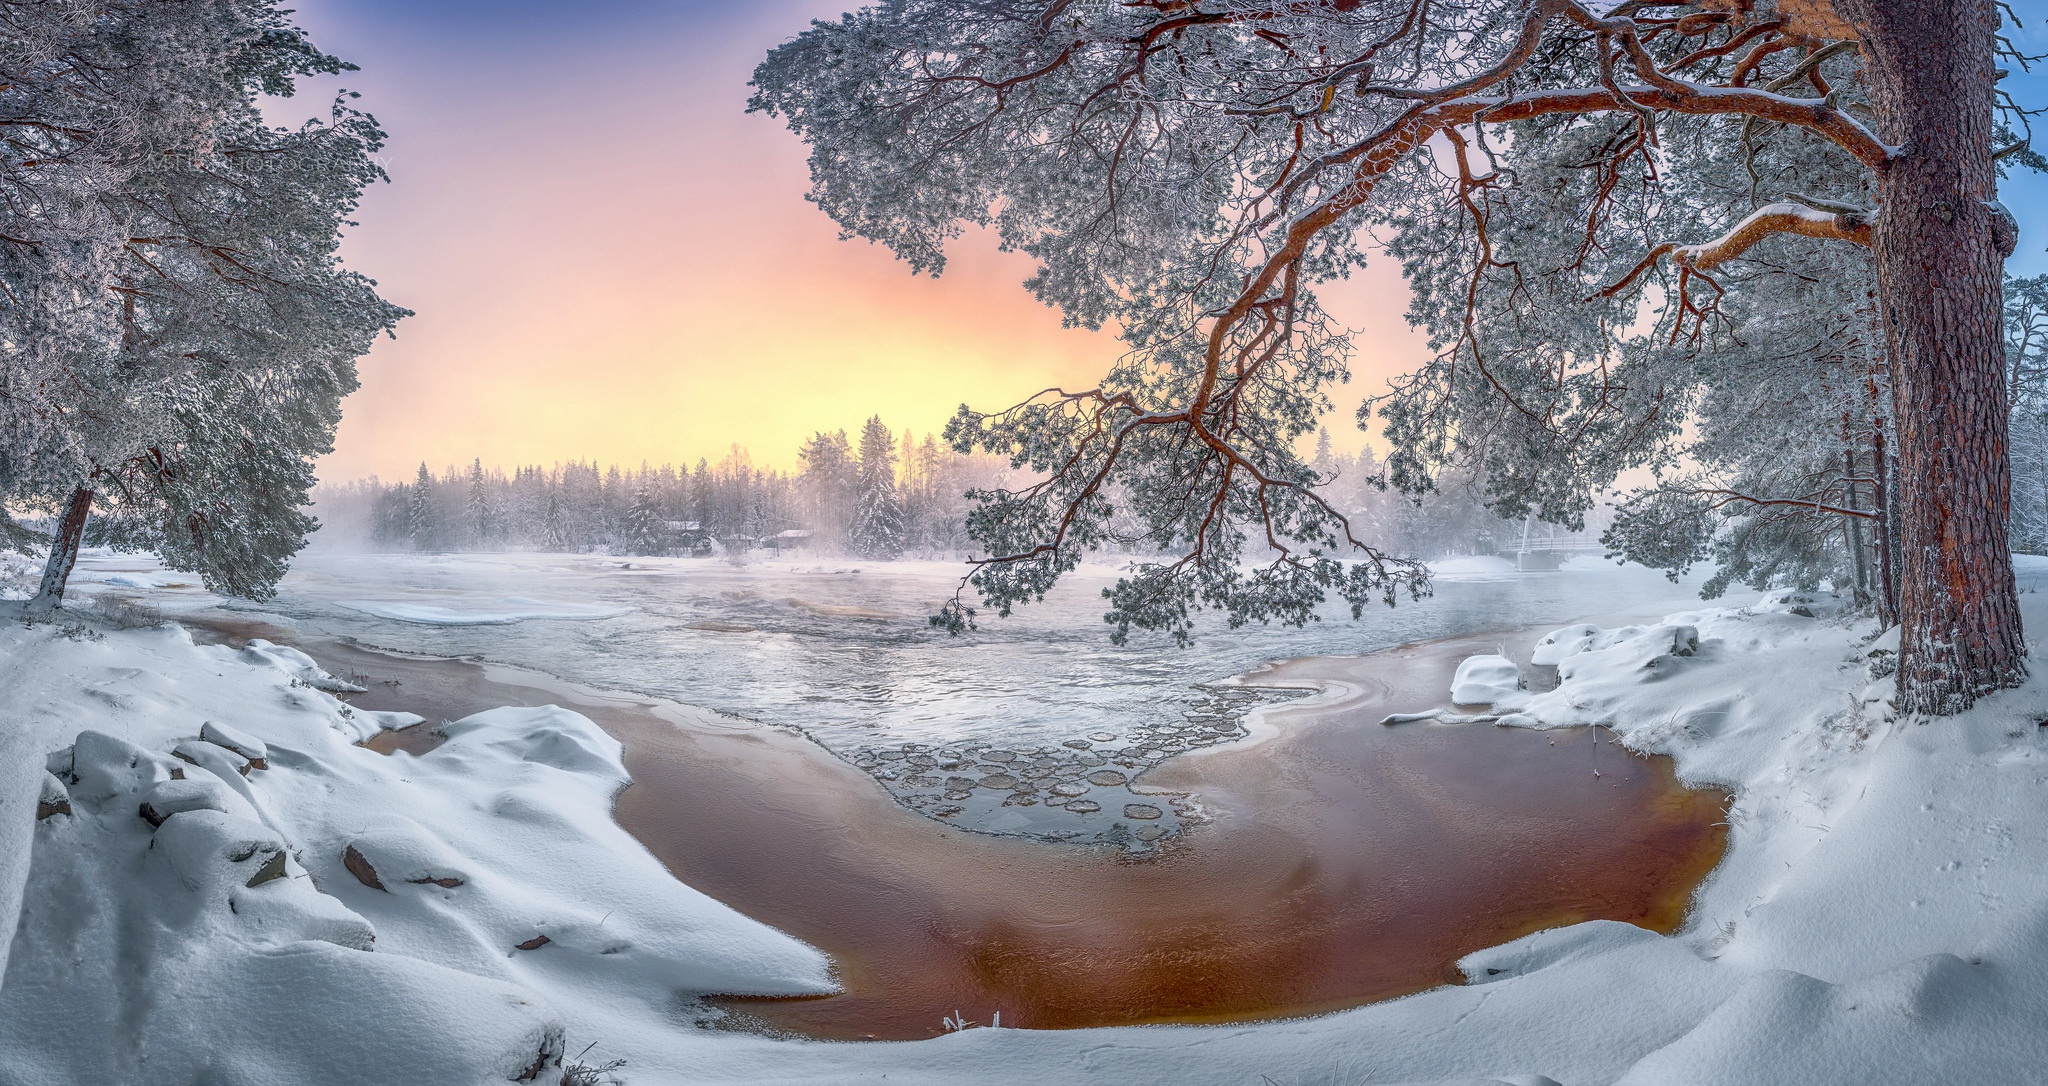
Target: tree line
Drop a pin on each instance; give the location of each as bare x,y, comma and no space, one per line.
878,497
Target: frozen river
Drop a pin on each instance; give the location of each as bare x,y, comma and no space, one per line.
1019,726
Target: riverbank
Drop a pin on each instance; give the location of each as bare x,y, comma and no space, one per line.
1880,915
1342,862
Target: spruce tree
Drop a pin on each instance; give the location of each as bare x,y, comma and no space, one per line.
423,513
877,530
644,527
479,511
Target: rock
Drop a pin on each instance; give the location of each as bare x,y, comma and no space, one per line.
1144,811
1484,680
534,943
221,735
217,760
1558,644
104,766
446,882
359,866
271,870
54,799
178,796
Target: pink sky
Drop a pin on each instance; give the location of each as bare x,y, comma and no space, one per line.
609,259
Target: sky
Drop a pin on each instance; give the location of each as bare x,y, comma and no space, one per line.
609,259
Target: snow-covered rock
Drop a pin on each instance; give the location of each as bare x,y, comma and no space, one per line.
296,664
1485,680
1558,644
188,923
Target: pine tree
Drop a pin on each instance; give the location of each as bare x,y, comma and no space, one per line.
877,530
180,331
1580,194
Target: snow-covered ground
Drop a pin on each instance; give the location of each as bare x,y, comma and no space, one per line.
1881,916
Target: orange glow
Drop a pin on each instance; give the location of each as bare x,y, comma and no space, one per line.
614,261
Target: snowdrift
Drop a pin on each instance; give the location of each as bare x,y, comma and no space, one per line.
217,885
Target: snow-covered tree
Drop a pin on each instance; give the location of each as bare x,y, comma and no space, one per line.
423,512
877,529
1191,170
479,510
829,484
2026,354
176,331
645,530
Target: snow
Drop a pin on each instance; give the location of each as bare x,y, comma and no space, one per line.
229,941
1483,567
1484,680
503,612
296,664
1881,915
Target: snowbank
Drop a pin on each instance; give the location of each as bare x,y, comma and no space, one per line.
502,613
222,887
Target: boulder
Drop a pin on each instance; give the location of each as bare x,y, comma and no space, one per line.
1484,680
248,747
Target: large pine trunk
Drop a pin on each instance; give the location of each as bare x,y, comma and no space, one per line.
63,553
1939,247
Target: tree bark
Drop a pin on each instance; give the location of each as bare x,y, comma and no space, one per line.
1939,249
63,553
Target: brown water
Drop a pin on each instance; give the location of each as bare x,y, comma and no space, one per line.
1345,862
